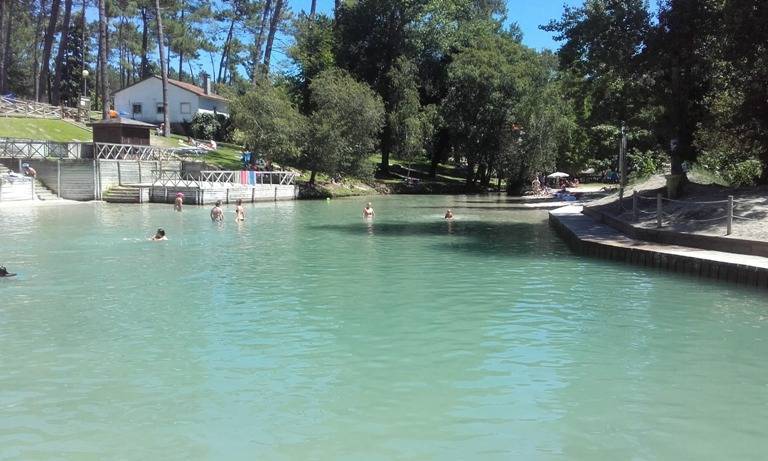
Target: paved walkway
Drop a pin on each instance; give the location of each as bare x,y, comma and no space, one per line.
751,270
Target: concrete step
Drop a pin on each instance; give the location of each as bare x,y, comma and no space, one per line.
122,194
43,193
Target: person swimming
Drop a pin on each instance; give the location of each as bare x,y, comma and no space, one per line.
217,214
4,272
159,235
368,211
448,214
239,211
179,202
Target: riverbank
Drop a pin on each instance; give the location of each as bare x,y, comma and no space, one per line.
701,209
591,238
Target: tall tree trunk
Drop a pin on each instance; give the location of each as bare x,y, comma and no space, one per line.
225,52
256,74
313,9
273,25
181,52
56,89
104,74
163,69
121,49
144,43
213,67
7,45
5,6
38,31
47,44
336,7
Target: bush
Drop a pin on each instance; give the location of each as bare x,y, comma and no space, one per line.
645,164
210,126
735,170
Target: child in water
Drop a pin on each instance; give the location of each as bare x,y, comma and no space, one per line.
177,204
159,236
448,214
217,214
4,272
239,211
368,211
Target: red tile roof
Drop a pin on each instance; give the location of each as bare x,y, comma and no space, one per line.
195,89
184,86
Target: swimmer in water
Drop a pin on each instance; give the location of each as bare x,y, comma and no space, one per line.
239,211
159,236
448,214
179,202
368,211
4,272
217,214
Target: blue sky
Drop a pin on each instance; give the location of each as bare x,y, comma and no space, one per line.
530,14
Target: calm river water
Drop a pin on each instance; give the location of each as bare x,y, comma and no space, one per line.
306,333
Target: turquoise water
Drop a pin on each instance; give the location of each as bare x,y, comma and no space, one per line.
306,333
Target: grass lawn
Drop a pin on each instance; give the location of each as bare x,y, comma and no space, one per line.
42,130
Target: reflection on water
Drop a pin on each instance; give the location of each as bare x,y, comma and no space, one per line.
302,334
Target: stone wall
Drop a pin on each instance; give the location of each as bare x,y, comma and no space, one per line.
70,179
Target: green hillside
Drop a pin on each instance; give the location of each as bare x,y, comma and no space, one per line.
42,130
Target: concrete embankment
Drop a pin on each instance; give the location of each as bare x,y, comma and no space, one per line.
588,237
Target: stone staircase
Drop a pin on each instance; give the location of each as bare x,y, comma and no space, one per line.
123,194
41,191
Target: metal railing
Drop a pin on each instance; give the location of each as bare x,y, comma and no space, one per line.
108,151
175,178
249,178
172,178
27,148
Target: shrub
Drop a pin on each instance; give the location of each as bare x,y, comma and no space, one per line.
205,126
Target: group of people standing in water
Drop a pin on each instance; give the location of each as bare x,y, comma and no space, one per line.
217,214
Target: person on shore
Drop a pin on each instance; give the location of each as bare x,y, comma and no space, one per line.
239,211
217,214
29,171
448,214
368,211
4,272
159,236
536,186
179,202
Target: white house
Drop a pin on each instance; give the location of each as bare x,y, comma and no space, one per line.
144,100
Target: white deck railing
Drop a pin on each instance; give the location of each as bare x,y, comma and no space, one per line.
25,148
249,178
202,179
109,151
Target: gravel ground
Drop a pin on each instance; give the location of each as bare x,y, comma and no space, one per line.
702,209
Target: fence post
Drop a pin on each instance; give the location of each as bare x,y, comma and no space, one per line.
659,207
635,211
58,178
275,193
730,216
119,176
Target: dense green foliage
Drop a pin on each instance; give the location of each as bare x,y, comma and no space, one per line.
344,127
268,123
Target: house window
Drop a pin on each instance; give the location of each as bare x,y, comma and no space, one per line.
186,108
136,108
160,108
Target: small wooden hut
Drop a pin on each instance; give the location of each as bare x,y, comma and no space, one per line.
122,131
